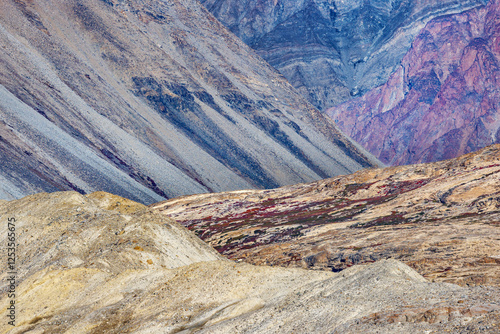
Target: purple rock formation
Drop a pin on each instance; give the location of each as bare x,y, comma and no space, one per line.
442,101
332,50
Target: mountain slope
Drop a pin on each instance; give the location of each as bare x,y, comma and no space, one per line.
109,265
149,100
332,50
442,101
443,219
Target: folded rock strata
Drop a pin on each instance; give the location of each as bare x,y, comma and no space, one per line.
332,50
442,101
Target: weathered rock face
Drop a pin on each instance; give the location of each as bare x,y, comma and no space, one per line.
443,101
332,50
149,100
442,219
103,264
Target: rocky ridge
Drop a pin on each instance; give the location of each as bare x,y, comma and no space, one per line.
103,264
442,219
332,50
149,100
442,101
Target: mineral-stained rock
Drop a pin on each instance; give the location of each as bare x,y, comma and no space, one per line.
443,101
332,50
149,100
103,264
442,219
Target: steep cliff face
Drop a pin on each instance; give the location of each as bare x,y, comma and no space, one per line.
332,50
149,100
442,101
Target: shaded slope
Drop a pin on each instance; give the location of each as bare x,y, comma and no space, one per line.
78,273
443,219
442,101
149,100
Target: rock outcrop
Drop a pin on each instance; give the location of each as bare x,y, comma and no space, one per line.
442,101
149,100
442,219
103,264
332,50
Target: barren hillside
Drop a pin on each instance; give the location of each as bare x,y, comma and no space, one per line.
104,264
442,219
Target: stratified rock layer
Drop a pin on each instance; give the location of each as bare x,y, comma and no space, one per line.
332,50
103,264
443,101
443,219
149,100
